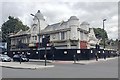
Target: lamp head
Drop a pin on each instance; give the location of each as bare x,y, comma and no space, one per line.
32,14
104,19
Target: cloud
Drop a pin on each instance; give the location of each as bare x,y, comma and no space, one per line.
56,11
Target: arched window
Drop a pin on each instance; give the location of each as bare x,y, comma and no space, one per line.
34,28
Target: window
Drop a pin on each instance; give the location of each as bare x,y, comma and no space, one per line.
34,28
62,35
81,35
35,37
53,36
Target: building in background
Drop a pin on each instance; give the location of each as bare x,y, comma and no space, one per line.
70,34
92,39
3,46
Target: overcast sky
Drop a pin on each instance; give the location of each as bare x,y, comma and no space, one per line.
92,12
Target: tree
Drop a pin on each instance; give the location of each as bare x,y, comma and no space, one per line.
100,34
12,25
119,46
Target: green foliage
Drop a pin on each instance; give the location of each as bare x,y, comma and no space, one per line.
119,45
100,33
12,25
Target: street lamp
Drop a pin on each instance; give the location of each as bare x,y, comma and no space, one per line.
104,38
104,34
38,34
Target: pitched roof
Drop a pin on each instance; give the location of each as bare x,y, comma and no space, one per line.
56,26
21,32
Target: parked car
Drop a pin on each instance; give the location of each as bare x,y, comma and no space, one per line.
22,57
5,58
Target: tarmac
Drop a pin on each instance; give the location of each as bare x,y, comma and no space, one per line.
17,65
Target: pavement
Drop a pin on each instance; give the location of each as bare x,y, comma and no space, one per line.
94,61
84,62
37,60
24,65
72,62
17,65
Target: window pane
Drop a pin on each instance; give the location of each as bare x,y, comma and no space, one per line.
35,37
62,35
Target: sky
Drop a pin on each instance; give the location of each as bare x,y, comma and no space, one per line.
57,11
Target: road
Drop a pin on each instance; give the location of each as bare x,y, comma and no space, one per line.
106,69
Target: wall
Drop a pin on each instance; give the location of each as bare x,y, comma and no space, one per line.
83,44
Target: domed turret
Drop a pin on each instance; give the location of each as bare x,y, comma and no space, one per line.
73,24
73,18
84,23
39,21
39,15
85,26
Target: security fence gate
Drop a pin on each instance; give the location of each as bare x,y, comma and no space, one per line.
65,54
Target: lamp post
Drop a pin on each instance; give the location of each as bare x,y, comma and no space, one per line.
104,38
104,34
38,35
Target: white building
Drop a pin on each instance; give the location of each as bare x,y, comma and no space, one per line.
70,34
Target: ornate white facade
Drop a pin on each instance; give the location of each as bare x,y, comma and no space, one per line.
70,34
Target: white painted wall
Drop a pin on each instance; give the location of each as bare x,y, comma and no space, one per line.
35,30
73,24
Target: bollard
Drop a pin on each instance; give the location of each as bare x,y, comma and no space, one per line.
53,58
96,56
74,58
104,56
45,56
20,58
45,59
